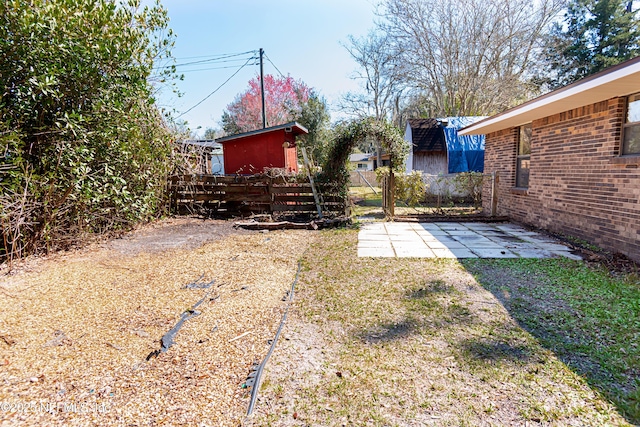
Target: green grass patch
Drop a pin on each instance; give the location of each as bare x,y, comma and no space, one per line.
420,342
586,316
424,342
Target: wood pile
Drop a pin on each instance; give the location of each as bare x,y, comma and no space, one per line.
245,195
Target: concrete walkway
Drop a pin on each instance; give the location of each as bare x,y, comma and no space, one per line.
456,240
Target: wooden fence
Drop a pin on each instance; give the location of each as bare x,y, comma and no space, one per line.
243,195
362,178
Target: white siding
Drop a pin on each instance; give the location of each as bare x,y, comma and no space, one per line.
430,163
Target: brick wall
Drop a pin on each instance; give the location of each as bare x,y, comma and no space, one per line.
578,184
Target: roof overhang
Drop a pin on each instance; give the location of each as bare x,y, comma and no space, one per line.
621,80
292,127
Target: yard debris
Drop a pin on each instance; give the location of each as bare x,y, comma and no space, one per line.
280,225
254,381
203,285
290,225
167,339
240,336
8,340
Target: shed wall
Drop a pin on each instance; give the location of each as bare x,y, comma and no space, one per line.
430,162
250,155
578,183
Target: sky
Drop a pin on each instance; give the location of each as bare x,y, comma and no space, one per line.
301,38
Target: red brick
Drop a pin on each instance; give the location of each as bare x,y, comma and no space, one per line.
575,187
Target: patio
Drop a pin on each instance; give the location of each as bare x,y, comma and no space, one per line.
456,240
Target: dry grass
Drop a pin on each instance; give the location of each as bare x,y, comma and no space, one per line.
402,342
76,332
379,342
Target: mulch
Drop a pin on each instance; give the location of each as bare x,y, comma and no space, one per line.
83,335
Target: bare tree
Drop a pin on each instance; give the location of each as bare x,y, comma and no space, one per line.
380,74
467,58
382,81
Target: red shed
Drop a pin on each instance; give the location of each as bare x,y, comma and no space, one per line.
251,152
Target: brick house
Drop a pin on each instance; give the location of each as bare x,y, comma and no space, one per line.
569,161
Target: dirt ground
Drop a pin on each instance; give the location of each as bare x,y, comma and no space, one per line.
80,332
368,342
410,342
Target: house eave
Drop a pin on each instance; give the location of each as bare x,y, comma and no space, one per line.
621,80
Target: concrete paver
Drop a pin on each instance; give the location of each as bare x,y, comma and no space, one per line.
456,240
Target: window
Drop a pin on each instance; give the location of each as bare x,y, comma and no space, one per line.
631,130
523,158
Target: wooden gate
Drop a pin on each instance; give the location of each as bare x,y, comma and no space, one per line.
388,194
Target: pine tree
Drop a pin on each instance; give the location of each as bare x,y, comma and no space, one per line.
594,35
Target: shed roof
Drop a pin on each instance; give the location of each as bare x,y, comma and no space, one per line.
204,143
620,80
293,127
427,135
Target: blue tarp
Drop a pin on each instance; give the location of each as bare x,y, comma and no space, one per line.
466,152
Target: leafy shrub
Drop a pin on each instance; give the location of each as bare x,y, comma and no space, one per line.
470,183
84,148
409,188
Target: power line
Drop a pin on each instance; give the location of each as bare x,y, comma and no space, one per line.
213,68
217,55
274,65
212,60
207,61
217,89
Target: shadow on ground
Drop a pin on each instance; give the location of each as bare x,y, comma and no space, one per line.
601,351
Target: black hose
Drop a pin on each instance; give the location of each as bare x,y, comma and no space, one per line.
260,368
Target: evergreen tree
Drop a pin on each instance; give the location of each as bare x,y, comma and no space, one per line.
594,35
83,147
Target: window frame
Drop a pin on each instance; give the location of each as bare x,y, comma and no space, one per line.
520,158
627,125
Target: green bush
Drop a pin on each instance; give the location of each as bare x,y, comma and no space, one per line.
470,183
84,148
409,188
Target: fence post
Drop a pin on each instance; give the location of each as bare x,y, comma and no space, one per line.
313,185
392,194
495,179
388,194
271,194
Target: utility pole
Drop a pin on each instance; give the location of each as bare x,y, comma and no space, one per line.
264,114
